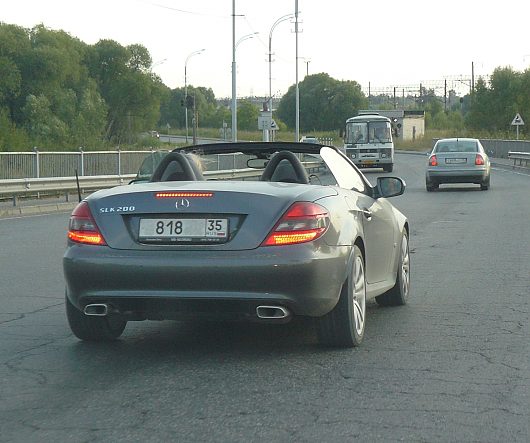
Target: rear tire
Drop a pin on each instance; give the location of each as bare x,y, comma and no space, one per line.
485,186
344,326
431,186
90,328
399,294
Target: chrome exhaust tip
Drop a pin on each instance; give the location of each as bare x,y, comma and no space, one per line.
272,312
96,309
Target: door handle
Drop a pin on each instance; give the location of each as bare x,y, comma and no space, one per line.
367,214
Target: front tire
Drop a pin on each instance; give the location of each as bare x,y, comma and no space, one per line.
344,325
399,294
93,328
388,168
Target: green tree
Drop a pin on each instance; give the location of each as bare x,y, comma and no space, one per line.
132,94
11,137
44,128
325,103
492,107
10,82
89,123
247,115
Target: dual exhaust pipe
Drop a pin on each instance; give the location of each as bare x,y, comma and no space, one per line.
264,312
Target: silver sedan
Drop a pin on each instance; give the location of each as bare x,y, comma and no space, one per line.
458,160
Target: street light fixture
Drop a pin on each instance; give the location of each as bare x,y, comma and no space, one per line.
159,62
234,93
186,86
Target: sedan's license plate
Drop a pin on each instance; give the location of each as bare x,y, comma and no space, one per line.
455,160
183,229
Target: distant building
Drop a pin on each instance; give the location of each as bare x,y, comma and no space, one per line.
407,125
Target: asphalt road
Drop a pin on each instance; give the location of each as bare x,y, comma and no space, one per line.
452,365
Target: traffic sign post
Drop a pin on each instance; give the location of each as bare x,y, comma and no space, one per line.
517,121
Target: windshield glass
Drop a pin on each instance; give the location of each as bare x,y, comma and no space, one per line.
379,132
290,163
356,133
149,165
345,175
456,146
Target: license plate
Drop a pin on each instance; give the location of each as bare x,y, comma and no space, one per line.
455,160
183,229
368,162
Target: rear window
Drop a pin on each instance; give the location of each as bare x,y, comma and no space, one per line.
456,146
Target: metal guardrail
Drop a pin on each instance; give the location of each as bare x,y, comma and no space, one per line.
519,156
35,187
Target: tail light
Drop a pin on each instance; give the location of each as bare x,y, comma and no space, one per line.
479,160
302,222
433,161
83,228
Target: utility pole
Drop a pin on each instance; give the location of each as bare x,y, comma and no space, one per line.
445,95
472,77
194,122
297,118
234,105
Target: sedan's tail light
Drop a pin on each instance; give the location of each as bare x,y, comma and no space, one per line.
302,222
433,161
83,228
479,160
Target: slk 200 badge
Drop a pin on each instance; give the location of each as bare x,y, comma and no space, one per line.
117,209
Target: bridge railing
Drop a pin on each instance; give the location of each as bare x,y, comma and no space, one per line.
37,164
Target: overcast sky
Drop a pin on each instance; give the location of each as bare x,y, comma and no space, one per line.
383,43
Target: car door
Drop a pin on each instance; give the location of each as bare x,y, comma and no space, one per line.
378,225
376,215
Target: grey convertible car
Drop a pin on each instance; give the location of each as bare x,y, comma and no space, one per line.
240,231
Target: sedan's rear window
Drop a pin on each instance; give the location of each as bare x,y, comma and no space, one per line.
456,146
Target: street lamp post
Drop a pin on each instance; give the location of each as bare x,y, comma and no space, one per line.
234,91
277,22
186,87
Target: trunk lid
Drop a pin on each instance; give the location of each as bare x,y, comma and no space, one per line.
223,215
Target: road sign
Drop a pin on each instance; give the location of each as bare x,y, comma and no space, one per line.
265,120
517,120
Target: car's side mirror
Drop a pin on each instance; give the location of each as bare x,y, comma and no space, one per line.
389,187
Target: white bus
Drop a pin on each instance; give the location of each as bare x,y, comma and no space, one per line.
368,141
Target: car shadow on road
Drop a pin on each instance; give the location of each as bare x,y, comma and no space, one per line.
459,188
189,339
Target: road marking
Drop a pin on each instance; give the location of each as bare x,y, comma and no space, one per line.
511,171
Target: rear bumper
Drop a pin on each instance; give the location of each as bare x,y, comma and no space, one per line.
457,176
171,284
378,163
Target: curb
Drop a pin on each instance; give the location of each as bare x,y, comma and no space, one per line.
37,209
